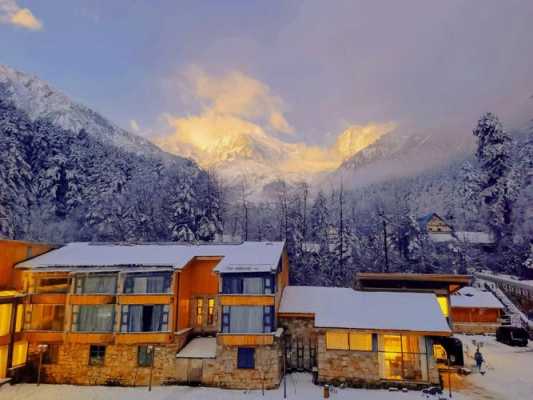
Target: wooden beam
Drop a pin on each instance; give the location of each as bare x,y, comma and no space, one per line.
49,298
143,338
44,337
83,299
245,340
246,300
89,337
296,315
145,299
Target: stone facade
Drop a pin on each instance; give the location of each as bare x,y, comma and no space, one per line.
475,328
354,368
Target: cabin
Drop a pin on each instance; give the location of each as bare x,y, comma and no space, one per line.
13,347
475,311
129,314
363,338
433,223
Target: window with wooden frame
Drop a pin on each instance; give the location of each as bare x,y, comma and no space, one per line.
52,285
96,355
144,356
337,340
210,311
51,354
199,311
47,317
96,284
360,341
144,318
155,282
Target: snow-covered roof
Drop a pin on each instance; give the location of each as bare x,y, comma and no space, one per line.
442,237
474,237
470,297
242,257
203,347
353,309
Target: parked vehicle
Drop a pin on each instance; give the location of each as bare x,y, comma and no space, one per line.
512,336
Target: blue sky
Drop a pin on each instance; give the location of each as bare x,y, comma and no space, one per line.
426,66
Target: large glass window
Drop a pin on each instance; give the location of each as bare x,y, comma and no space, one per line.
93,318
96,284
47,317
345,340
144,318
235,284
20,352
147,283
247,319
5,318
403,357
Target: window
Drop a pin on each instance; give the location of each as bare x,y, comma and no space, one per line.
144,356
96,355
263,284
403,357
51,354
93,318
199,311
52,285
360,341
246,357
247,319
443,303
96,284
47,317
19,321
5,318
144,318
337,340
3,361
210,311
147,283
20,352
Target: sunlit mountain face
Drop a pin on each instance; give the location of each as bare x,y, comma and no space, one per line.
241,129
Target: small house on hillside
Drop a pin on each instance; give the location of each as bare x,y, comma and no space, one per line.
364,338
475,311
434,223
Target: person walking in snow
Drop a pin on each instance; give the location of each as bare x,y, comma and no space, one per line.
478,357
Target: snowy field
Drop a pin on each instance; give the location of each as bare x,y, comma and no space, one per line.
508,376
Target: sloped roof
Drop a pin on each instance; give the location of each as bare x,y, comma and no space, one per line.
470,297
242,257
353,309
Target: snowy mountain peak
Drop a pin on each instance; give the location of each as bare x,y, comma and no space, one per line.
41,101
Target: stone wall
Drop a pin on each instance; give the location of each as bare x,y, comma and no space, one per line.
223,371
354,368
119,368
475,328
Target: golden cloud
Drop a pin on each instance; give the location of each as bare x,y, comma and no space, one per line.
12,13
238,118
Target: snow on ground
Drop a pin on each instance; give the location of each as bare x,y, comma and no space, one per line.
509,370
508,377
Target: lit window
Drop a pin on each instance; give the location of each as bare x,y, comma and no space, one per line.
20,351
443,303
210,311
20,318
337,340
360,341
5,319
3,361
199,311
96,355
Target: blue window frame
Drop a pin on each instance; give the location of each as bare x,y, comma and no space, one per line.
248,319
248,284
158,282
246,357
144,318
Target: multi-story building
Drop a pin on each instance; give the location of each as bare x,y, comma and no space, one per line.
13,347
123,313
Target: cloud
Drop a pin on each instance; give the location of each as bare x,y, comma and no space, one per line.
12,13
237,121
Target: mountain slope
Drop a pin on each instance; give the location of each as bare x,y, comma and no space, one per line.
92,181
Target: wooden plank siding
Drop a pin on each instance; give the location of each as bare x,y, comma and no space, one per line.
245,340
246,300
44,336
145,299
83,299
91,338
143,338
49,298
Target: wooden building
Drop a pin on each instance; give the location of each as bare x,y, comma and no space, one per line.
475,311
13,347
433,223
364,338
109,312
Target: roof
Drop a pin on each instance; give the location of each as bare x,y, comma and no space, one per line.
352,309
470,297
475,237
236,258
401,276
203,347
